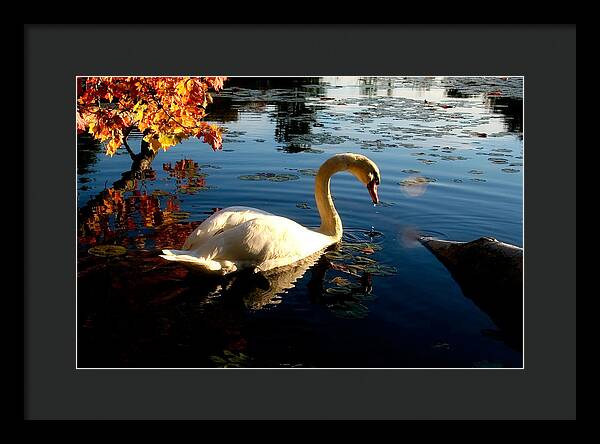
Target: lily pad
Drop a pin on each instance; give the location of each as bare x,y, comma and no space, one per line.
107,250
416,181
308,171
180,215
338,290
271,177
251,177
230,359
382,270
192,189
349,310
358,247
454,158
340,282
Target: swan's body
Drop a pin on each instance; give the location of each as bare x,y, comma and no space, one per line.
238,237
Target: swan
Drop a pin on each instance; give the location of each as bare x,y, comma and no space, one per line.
238,237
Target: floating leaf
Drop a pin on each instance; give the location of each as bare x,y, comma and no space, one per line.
335,290
415,186
416,181
382,270
107,250
454,158
340,282
349,310
308,171
180,215
251,177
230,359
272,177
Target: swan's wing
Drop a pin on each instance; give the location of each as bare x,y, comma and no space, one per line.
265,242
221,221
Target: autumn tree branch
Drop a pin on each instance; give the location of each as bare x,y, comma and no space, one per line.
127,147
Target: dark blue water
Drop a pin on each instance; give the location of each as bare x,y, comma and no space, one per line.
394,306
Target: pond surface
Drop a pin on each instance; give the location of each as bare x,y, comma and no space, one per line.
450,151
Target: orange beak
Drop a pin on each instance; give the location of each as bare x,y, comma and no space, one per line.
372,187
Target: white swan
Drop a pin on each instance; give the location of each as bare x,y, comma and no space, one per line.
236,238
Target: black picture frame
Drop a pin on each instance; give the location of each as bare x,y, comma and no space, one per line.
55,54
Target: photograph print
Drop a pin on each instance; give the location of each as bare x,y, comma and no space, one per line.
299,222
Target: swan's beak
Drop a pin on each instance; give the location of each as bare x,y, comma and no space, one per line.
372,187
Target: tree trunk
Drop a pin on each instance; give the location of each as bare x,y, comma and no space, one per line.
143,160
140,167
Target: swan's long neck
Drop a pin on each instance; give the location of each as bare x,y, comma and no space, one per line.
331,224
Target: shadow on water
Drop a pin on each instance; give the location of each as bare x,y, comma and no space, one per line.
140,310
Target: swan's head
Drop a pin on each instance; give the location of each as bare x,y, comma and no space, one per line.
365,170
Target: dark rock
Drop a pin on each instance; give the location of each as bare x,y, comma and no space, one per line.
490,273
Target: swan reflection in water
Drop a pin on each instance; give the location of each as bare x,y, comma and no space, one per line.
139,310
265,289
255,290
